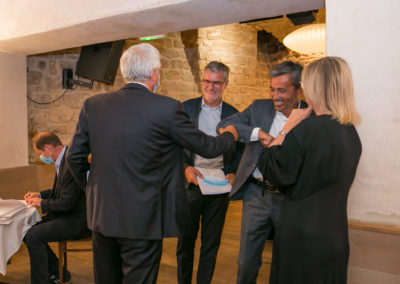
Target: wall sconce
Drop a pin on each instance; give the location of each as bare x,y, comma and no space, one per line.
310,40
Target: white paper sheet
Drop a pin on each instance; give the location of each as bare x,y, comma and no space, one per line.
9,208
216,176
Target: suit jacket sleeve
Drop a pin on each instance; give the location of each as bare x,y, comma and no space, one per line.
187,135
280,165
241,121
45,194
78,152
191,107
234,164
231,160
67,192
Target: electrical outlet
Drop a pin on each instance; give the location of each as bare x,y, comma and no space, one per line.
67,80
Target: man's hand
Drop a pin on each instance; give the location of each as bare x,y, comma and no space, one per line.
264,138
191,174
31,195
230,177
231,129
34,201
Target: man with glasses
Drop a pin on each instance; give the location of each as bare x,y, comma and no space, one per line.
261,201
206,112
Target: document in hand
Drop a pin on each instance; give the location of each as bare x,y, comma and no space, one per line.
9,208
214,181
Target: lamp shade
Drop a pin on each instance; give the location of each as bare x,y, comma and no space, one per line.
310,40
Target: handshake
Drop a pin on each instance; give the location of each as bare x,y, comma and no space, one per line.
230,129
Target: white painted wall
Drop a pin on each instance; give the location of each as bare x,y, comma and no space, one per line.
13,111
366,34
48,15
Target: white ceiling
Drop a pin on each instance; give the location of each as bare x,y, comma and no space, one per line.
31,27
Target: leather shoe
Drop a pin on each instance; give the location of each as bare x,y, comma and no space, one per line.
53,279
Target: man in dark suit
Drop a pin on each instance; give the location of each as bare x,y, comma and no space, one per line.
206,112
257,125
135,189
64,206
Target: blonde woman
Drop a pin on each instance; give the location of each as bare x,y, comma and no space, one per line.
314,159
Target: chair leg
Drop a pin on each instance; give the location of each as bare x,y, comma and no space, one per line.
61,258
65,257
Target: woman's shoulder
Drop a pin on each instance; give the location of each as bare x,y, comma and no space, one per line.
312,127
322,126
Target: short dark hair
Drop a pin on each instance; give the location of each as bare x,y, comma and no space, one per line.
215,66
45,138
290,68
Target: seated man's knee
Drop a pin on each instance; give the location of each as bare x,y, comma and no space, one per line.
31,236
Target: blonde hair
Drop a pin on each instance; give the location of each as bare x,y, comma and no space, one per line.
328,86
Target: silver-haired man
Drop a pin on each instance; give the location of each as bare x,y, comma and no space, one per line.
135,190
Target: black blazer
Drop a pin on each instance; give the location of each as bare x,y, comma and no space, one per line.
136,184
231,158
65,199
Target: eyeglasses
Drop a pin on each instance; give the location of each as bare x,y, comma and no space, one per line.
216,84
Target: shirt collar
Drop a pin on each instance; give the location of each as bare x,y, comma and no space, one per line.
57,163
203,105
134,82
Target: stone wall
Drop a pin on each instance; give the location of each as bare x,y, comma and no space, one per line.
183,57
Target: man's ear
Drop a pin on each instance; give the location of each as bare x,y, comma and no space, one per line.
226,84
299,92
49,147
154,75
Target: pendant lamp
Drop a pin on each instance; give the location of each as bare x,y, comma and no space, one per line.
310,40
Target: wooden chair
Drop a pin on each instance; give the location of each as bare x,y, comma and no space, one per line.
62,254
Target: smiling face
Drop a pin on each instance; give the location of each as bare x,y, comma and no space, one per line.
213,86
284,95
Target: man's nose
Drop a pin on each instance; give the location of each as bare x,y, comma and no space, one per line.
274,94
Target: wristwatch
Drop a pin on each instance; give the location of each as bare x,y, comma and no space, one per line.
283,133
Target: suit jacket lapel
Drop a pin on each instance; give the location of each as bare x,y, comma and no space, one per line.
197,111
224,111
268,117
56,180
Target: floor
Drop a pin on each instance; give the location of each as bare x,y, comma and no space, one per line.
80,263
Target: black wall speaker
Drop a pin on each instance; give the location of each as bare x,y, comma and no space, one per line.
100,61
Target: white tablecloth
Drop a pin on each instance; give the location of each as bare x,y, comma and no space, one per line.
11,235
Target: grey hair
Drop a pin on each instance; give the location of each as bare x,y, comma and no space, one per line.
138,61
290,68
215,66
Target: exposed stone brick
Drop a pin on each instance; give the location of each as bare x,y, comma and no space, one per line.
34,78
172,75
183,57
42,65
73,100
57,115
53,67
214,34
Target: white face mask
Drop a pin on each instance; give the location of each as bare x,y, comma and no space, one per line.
158,83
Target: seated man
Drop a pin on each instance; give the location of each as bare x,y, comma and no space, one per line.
64,208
